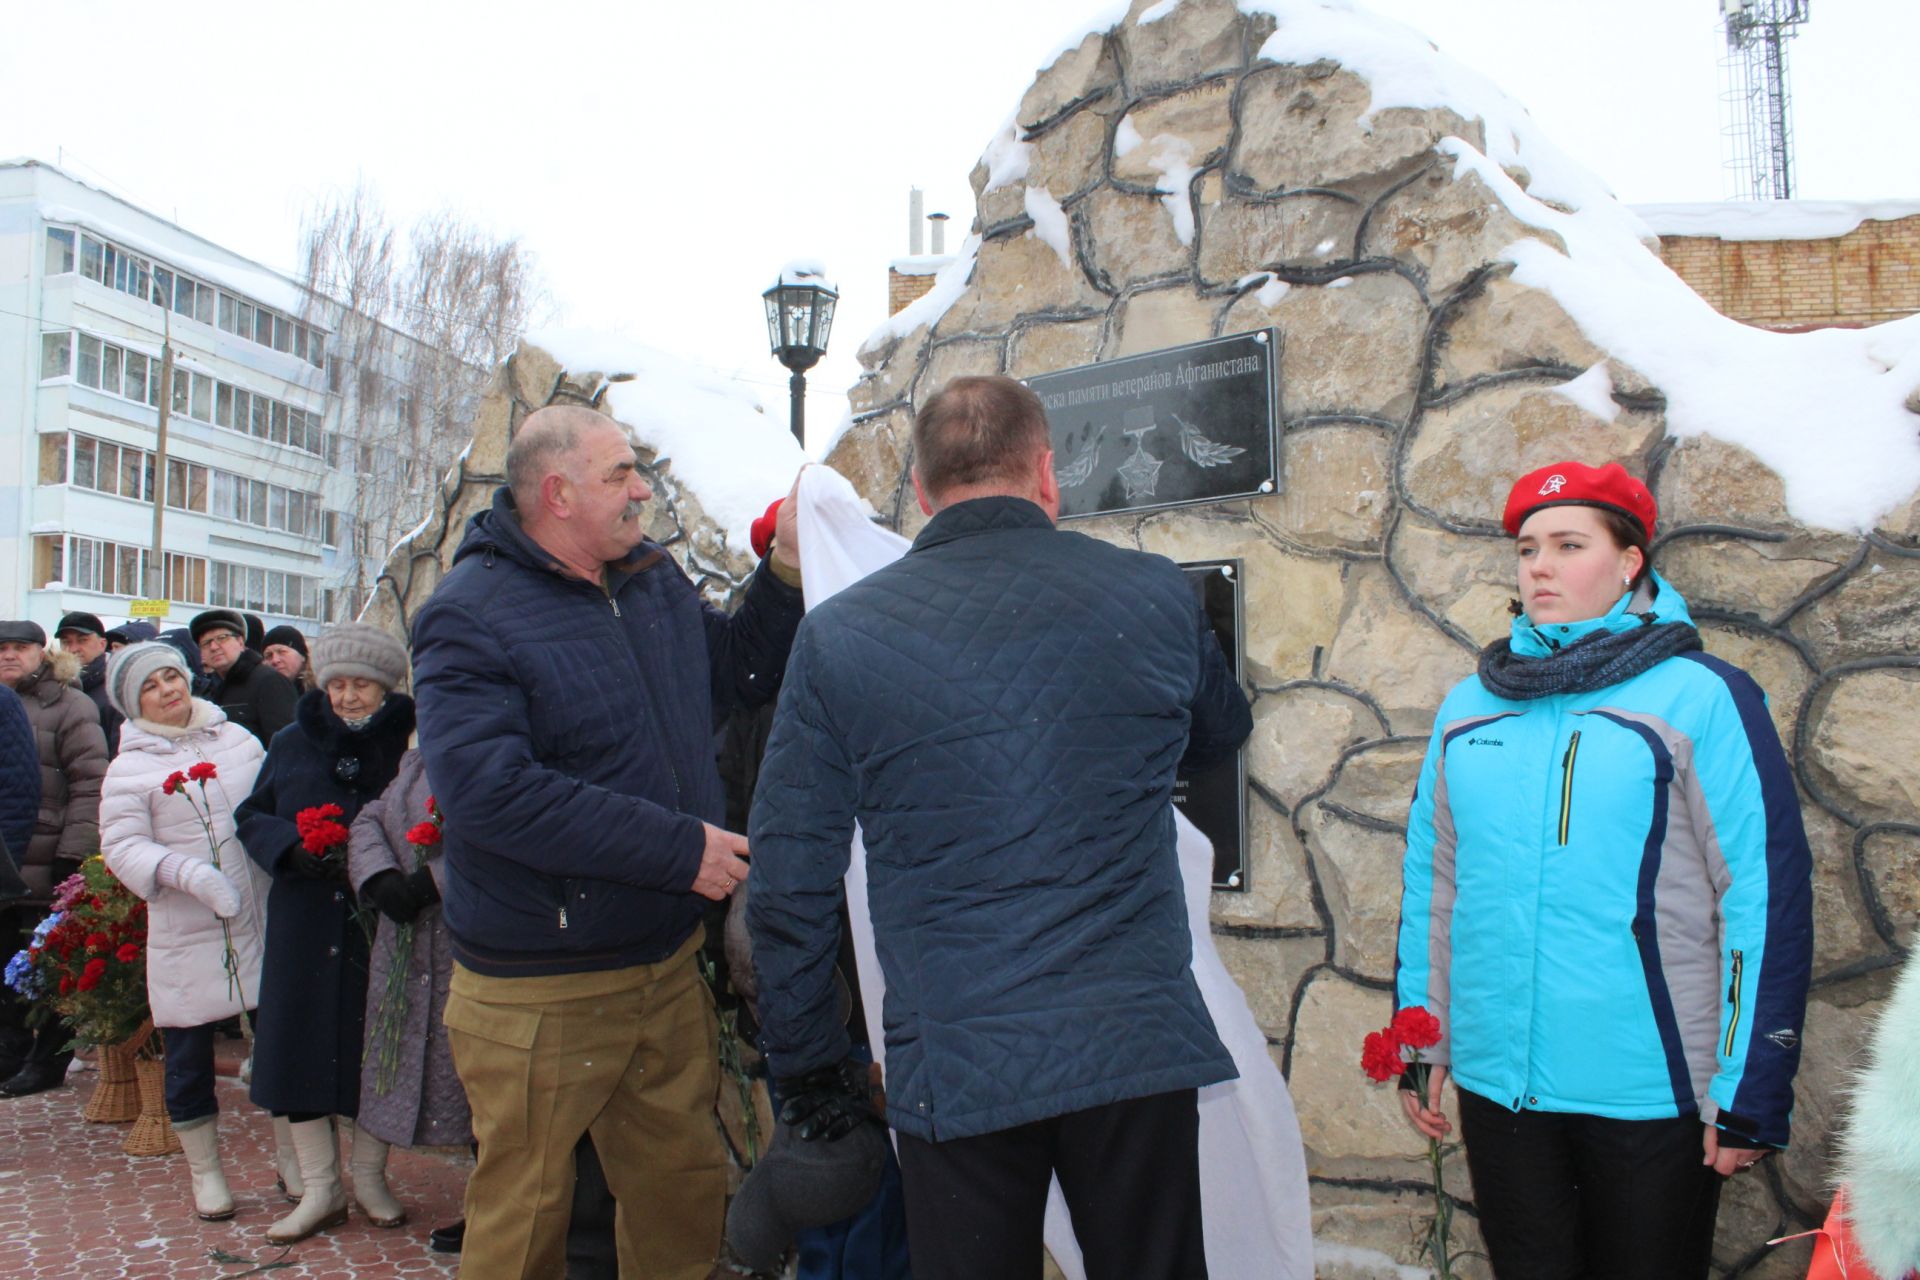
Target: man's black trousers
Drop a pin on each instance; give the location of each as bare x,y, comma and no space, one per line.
1579,1197
1130,1173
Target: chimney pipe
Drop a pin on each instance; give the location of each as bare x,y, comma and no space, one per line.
916,211
939,221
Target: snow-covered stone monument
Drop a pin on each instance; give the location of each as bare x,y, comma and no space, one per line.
1452,303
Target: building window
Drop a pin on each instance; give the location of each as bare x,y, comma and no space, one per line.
56,355
53,458
59,251
49,559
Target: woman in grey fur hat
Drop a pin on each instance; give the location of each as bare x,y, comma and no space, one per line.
342,750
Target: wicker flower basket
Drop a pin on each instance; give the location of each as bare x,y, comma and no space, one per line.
116,1098
152,1133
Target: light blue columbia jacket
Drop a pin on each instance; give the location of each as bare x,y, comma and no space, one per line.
1608,895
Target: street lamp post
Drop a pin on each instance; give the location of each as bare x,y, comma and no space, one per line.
799,318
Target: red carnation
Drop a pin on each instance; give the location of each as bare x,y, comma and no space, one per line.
1380,1055
127,953
96,942
433,807
202,771
66,985
424,833
319,832
1415,1028
174,782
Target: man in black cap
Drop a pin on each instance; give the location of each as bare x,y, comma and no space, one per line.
254,695
85,637
72,751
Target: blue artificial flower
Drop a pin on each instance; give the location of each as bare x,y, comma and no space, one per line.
48,925
20,972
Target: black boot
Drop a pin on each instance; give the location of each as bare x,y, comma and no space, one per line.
15,1044
45,1065
449,1238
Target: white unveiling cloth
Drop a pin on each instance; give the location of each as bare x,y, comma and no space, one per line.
1253,1174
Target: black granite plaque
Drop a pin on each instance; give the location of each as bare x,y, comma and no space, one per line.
1215,800
1166,429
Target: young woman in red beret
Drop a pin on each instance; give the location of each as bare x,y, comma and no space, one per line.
1608,904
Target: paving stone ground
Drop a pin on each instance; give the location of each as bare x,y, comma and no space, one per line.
73,1206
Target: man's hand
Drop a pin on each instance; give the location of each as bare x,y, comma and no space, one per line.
786,529
827,1102
722,866
1424,1113
1727,1161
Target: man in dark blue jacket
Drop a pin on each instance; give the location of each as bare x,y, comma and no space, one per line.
1002,710
569,676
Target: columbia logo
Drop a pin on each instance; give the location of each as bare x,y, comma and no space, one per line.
1485,742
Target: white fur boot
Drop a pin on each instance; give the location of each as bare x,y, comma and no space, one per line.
286,1160
369,1166
201,1141
325,1202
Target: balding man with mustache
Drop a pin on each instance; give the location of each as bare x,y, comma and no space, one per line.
569,676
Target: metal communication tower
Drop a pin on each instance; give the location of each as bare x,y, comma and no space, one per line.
1759,115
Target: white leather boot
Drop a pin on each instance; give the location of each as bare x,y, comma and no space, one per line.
368,1163
286,1160
201,1141
325,1202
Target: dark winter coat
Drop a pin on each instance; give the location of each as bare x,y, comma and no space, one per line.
256,697
313,986
73,760
19,775
93,683
1003,710
568,730
424,1104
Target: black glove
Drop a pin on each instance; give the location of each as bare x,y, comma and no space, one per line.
827,1102
420,884
298,864
391,895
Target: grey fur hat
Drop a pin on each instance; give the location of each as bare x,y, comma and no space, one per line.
128,669
357,649
801,1184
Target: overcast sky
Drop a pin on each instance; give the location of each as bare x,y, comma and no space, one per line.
663,160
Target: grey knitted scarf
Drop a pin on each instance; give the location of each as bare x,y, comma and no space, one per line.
1593,662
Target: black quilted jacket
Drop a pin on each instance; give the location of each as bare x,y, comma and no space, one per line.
1002,710
568,735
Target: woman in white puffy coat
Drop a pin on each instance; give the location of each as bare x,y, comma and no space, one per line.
198,910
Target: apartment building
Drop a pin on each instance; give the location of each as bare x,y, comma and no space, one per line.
262,474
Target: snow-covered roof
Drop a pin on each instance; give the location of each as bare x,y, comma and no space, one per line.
1771,219
724,445
923,264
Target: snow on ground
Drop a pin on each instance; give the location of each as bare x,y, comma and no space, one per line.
1771,219
725,446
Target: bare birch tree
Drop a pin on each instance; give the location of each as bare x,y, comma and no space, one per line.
415,336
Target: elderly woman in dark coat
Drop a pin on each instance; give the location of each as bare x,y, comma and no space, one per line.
409,1092
343,749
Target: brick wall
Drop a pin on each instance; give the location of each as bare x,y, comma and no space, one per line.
1870,275
904,289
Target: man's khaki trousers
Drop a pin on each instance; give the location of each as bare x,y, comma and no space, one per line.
629,1055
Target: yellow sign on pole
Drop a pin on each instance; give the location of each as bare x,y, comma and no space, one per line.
148,609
